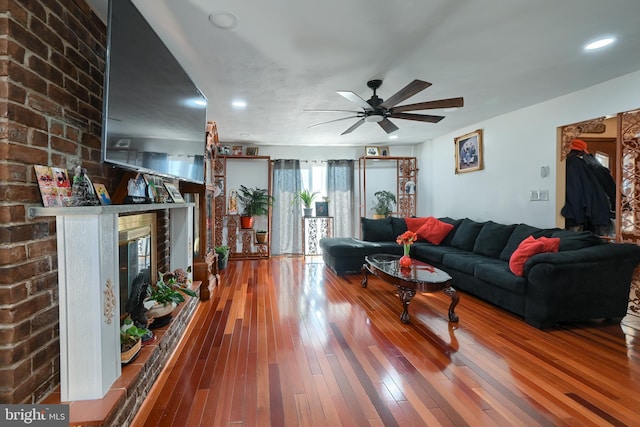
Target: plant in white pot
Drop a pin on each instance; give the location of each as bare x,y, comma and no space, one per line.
305,197
164,296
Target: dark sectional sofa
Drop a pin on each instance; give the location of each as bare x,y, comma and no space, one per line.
586,279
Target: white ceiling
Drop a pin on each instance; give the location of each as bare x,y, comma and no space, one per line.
288,55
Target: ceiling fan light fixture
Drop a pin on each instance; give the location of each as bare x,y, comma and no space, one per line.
374,118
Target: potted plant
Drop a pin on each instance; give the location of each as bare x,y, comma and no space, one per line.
223,256
262,236
305,197
255,202
131,340
382,207
164,297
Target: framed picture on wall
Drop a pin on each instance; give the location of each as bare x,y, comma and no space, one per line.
372,151
252,151
384,151
469,152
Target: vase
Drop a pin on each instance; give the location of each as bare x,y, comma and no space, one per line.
405,261
156,310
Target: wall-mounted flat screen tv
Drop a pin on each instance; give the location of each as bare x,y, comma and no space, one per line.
154,117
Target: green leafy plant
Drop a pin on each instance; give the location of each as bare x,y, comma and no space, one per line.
165,292
254,201
305,197
223,256
130,334
223,251
386,200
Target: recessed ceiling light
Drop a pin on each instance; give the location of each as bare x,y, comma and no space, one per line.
393,136
239,104
600,43
223,19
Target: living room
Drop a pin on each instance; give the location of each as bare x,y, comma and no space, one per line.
517,145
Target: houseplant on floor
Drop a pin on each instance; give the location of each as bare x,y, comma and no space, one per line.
254,202
305,197
385,201
223,256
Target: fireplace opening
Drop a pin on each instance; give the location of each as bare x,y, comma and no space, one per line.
136,252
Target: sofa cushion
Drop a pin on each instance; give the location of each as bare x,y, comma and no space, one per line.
432,253
492,239
434,230
455,222
499,274
377,230
413,224
350,247
466,234
528,248
521,232
572,240
398,225
465,262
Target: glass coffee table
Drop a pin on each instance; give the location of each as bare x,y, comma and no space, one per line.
418,277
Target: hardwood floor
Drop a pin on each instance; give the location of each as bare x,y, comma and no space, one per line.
285,342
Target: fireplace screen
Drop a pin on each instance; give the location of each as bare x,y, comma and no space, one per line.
136,251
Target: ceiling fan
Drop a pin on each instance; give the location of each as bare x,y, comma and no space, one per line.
379,111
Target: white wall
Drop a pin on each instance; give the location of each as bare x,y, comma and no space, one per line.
516,145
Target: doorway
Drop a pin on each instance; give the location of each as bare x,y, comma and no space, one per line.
615,140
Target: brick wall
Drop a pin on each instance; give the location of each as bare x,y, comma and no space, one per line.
52,56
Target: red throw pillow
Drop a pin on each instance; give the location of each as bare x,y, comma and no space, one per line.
551,244
414,224
526,249
434,231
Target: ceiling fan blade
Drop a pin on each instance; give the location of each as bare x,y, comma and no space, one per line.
355,99
387,125
331,121
418,117
353,127
430,105
330,111
406,92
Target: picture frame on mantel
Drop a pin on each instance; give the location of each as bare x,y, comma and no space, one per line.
468,152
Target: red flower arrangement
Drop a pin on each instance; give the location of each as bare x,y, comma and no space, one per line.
406,239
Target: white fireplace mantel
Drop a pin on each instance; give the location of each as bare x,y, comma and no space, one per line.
89,301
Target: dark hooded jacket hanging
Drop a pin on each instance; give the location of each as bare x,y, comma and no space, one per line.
590,194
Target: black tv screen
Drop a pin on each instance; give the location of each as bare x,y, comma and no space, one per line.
154,117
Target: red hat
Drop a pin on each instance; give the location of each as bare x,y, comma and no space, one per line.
578,144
